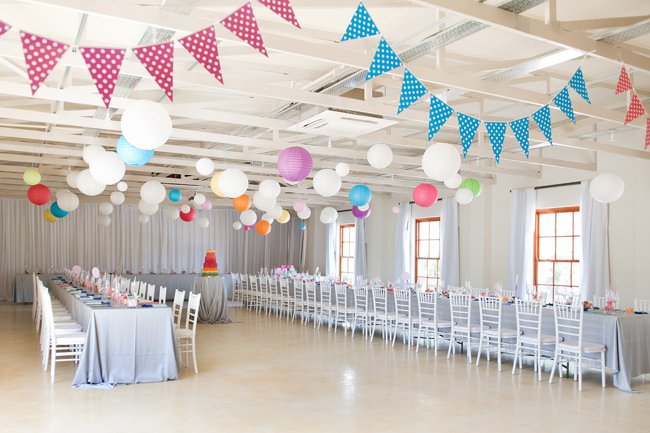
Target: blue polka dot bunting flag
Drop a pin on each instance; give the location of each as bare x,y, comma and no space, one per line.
520,128
562,100
361,25
412,90
543,119
385,60
439,112
496,131
468,126
578,84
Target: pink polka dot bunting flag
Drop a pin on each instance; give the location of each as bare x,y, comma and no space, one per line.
4,28
41,56
242,24
647,133
624,82
283,9
158,60
635,110
202,45
104,66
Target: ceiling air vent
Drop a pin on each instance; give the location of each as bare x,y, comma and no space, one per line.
337,124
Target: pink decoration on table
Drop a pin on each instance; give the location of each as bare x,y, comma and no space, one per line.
624,82
202,45
4,28
41,56
104,66
295,163
158,60
76,269
361,214
283,9
635,110
242,24
425,195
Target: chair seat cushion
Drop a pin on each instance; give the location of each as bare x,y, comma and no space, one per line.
441,323
545,339
472,328
184,333
74,338
587,347
505,333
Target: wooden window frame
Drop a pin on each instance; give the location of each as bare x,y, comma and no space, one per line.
417,249
342,227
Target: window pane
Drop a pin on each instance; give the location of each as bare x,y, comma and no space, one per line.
344,266
433,269
435,230
353,231
577,224
346,234
424,248
422,268
577,248
547,248
563,274
564,224
351,265
346,249
424,230
564,248
434,249
545,273
575,278
547,224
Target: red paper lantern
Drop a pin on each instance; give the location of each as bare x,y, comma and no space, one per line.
263,227
425,195
187,217
39,194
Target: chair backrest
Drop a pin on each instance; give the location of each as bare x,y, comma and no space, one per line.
402,302
177,306
361,298
599,302
341,292
298,290
151,292
162,295
568,322
529,317
284,288
508,293
310,291
477,293
192,312
273,286
325,293
641,305
264,286
461,308
252,283
380,300
490,312
134,287
142,291
428,306
235,281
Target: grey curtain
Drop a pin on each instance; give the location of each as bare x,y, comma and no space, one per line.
331,249
403,241
595,248
522,239
360,262
449,251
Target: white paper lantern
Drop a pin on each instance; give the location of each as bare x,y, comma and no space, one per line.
342,169
380,156
607,187
305,214
205,166
104,220
441,161
106,208
464,196
454,181
248,217
107,168
268,219
68,201
122,186
71,178
153,192
143,219
236,225
270,188
291,183
60,192
91,151
364,207
263,203
117,197
203,223
327,182
232,182
146,125
275,212
195,205
328,215
199,199
185,208
172,213
88,185
333,213
147,208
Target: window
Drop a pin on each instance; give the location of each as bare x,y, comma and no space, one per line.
558,247
427,250
346,252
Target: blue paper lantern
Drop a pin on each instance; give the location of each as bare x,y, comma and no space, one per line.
57,211
360,195
175,195
302,226
132,155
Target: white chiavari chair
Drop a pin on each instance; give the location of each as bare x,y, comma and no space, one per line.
529,334
177,307
461,323
492,333
298,300
429,324
253,292
344,313
642,305
311,306
287,301
382,316
325,307
362,312
162,295
151,292
404,317
187,336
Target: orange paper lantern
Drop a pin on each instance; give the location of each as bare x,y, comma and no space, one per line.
241,203
263,227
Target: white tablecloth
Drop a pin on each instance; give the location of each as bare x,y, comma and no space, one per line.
214,300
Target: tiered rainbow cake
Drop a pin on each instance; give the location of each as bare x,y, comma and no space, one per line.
210,268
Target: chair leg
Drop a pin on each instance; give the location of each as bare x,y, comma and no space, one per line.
602,368
498,354
579,371
452,341
53,366
539,363
196,369
480,344
550,379
419,338
514,362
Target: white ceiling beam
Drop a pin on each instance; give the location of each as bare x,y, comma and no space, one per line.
602,23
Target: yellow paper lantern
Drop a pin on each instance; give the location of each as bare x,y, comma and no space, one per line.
31,177
49,217
214,184
284,218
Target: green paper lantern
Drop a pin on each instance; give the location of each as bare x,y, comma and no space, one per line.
473,185
31,177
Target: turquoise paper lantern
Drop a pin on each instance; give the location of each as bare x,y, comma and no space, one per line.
360,195
132,155
57,211
302,226
175,195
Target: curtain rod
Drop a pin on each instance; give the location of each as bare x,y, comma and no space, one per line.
557,185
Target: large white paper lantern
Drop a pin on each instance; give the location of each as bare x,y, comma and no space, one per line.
205,166
380,156
117,197
199,199
328,215
71,179
203,222
275,211
146,125
248,217
441,161
106,208
263,203
122,186
60,192
153,192
305,214
143,219
147,208
195,205
464,196
454,181
88,185
91,151
607,187
104,220
68,201
327,182
107,168
342,169
232,182
269,188
266,217
172,213
185,208
236,225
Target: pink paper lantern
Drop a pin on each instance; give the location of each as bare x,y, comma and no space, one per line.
39,194
361,214
247,228
425,195
299,206
207,205
295,164
395,209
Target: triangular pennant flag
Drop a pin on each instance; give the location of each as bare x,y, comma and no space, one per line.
543,119
283,9
202,45
468,126
578,84
647,133
635,110
496,131
520,128
412,89
158,60
385,60
4,28
624,82
104,66
439,112
563,101
361,25
41,56
242,24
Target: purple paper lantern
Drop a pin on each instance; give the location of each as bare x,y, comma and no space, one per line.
361,214
295,163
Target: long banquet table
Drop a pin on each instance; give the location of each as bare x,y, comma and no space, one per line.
123,345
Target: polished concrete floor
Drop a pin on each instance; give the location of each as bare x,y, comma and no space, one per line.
259,374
